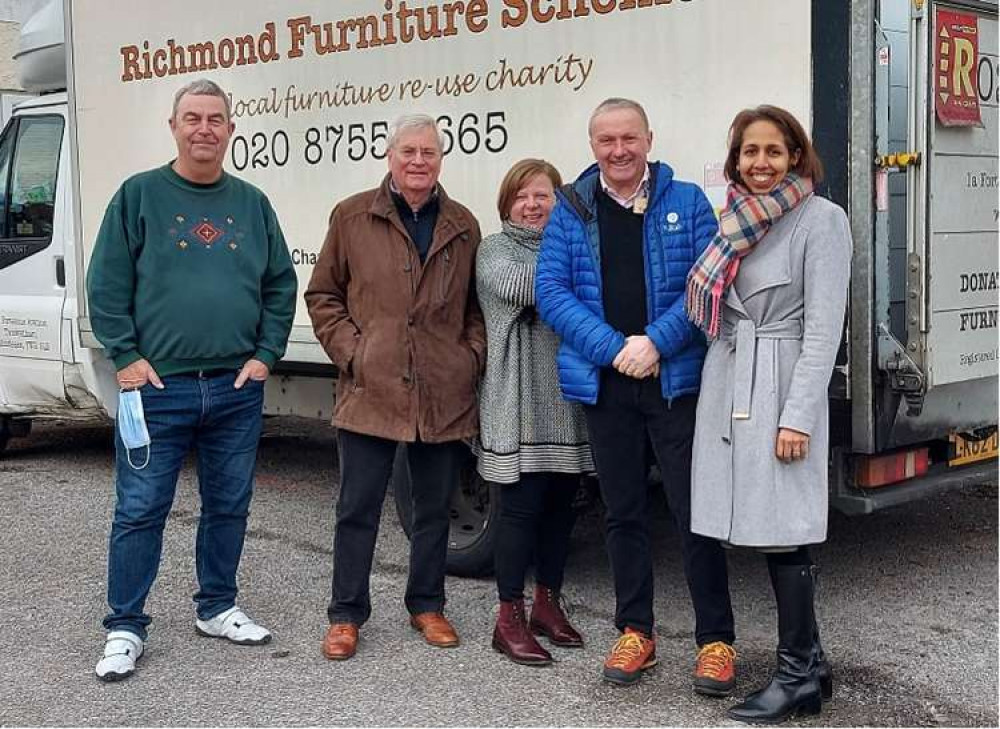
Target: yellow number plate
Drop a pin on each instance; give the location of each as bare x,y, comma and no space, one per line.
966,450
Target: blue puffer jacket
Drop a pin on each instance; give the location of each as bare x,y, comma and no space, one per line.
679,224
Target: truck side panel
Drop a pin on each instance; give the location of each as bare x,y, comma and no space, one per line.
312,110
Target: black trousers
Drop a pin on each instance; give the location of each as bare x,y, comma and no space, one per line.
629,411
799,557
536,518
365,469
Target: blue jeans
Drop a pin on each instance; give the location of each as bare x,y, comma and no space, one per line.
223,425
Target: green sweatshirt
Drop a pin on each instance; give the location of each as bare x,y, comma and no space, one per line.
190,276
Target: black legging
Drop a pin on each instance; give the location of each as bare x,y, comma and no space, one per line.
536,518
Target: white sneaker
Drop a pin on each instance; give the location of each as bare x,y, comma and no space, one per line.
234,625
121,650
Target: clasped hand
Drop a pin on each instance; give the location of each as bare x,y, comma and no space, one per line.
639,358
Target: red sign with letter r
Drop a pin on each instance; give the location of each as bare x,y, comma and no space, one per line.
956,58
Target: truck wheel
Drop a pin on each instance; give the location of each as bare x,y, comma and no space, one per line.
5,432
11,428
475,511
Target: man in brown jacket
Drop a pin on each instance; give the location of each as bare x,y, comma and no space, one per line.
392,300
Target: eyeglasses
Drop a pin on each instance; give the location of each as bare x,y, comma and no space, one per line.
410,154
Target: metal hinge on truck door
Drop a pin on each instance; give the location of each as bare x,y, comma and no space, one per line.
905,377
902,363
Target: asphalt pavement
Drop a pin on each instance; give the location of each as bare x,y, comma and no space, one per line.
907,605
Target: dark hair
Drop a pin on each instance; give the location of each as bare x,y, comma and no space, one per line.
516,178
796,139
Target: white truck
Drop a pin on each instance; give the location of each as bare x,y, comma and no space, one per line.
901,97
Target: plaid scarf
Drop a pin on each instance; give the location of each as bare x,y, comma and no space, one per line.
744,221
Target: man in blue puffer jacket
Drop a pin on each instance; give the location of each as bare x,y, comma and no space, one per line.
611,277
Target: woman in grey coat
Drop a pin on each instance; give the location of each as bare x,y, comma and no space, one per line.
531,441
770,293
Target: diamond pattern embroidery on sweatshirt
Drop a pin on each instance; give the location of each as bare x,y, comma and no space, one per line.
210,232
207,233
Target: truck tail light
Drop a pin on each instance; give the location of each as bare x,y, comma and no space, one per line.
874,471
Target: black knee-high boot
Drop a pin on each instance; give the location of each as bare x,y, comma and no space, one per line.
823,671
795,686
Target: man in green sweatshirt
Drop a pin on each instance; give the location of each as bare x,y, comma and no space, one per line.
192,293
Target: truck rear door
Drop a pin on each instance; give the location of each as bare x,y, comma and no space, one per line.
960,314
937,305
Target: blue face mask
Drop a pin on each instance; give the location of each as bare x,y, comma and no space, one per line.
132,425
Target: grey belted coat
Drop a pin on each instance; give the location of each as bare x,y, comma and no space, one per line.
770,368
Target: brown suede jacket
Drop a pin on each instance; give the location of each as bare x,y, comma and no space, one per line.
408,338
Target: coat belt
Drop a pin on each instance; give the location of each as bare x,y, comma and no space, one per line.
743,337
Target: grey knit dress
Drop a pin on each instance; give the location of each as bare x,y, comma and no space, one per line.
525,425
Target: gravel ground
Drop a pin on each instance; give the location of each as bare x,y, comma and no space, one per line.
907,604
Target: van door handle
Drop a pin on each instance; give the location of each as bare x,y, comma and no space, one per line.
60,272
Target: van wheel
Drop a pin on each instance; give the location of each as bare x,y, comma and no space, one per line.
475,512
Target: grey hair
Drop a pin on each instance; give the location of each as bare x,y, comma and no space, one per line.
613,104
201,87
411,122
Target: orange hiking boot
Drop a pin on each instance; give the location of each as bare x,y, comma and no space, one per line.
632,654
715,670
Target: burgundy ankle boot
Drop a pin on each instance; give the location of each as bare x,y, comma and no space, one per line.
512,637
548,619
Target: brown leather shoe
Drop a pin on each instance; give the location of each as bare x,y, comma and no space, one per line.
512,637
548,619
436,629
340,641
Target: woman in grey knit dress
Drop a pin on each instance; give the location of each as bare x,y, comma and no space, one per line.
531,441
